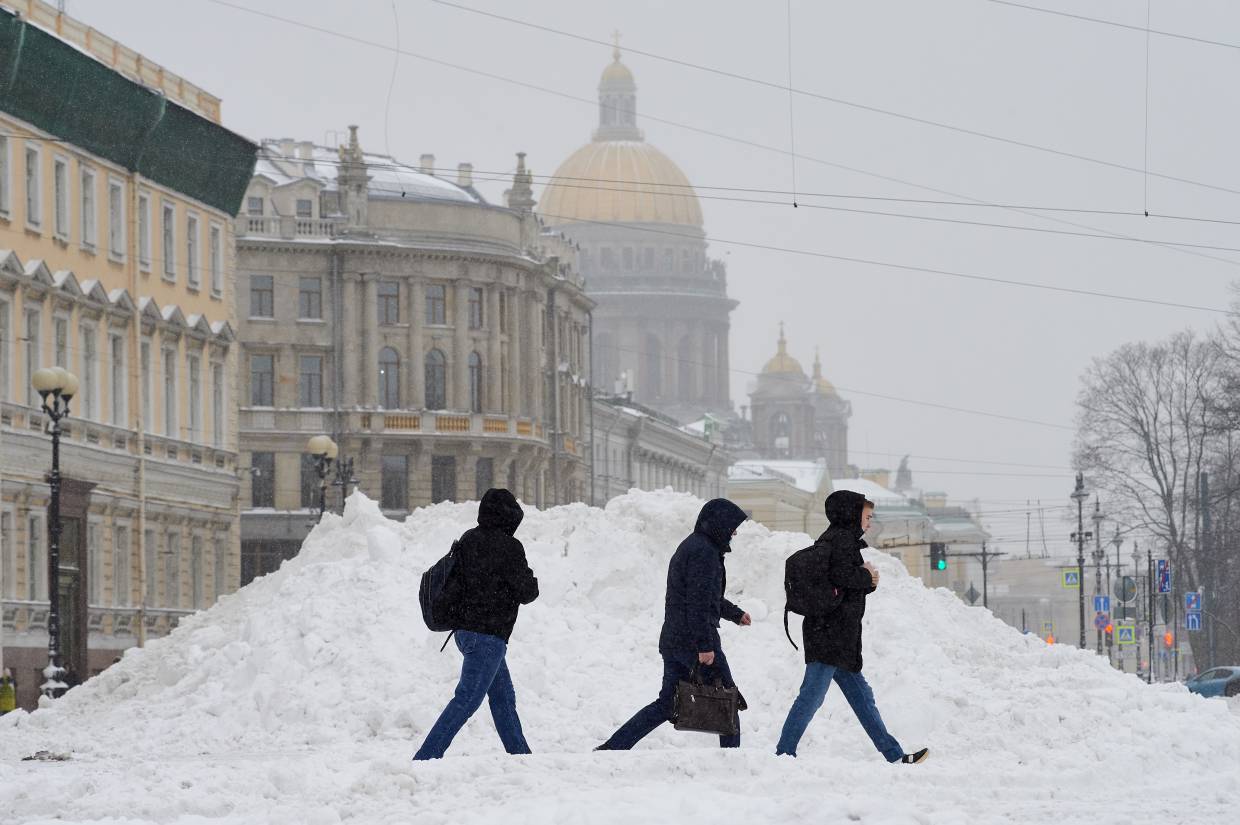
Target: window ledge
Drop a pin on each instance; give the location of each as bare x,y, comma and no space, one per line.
266,319
313,321
34,229
144,266
217,294
116,257
168,279
89,248
192,289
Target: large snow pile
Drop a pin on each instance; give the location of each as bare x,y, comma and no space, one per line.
301,698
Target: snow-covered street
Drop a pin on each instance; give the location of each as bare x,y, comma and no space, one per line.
301,698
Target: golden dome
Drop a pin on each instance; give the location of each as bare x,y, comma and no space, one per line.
617,74
783,363
623,181
821,385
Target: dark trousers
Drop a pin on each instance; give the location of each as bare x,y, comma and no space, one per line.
484,675
676,667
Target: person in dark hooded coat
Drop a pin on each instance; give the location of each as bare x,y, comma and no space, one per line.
692,607
489,582
833,640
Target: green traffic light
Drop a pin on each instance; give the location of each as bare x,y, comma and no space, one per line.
942,564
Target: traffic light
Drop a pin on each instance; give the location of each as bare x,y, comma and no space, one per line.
1050,640
938,556
1110,631
1168,639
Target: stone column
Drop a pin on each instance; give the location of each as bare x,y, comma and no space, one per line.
459,395
415,370
370,339
534,376
516,392
350,314
494,401
703,380
722,392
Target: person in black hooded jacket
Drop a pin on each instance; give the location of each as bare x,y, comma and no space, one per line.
692,607
833,640
489,582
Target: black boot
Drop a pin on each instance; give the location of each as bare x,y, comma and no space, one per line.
915,758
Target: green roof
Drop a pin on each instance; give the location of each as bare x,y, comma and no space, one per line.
67,93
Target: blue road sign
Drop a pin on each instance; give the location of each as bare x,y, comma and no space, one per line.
1102,604
1192,601
1164,576
1101,620
1192,620
1125,635
1071,578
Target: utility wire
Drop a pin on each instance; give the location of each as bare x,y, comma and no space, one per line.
792,129
1114,23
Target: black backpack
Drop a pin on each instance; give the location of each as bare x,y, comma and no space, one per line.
807,590
437,611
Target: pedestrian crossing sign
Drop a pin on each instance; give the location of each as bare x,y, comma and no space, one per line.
1072,578
1126,634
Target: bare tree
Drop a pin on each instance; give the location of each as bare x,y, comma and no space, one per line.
1147,426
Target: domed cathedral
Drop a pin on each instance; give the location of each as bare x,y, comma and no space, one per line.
800,417
661,324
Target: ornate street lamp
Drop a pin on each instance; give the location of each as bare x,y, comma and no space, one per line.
56,386
1079,495
344,477
324,451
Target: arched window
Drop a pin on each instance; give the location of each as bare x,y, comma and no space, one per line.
475,382
389,379
781,433
653,379
436,380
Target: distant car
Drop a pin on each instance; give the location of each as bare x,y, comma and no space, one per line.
1218,681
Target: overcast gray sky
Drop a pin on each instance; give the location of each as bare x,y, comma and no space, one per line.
1076,86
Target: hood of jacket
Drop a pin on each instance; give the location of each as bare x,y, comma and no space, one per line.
844,508
718,519
499,510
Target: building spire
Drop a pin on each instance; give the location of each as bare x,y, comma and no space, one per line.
521,196
615,52
817,364
783,342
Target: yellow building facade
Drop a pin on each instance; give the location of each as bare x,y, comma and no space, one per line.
119,268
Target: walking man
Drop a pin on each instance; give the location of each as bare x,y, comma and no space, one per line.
693,605
833,641
489,582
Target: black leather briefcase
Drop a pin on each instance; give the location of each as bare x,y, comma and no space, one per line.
706,708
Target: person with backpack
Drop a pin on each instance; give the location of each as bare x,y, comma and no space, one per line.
692,607
828,583
488,582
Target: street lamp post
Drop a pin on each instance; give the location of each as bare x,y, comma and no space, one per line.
1079,495
1098,556
344,477
56,386
324,451
1119,577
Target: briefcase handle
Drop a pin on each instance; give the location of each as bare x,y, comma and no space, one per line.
695,676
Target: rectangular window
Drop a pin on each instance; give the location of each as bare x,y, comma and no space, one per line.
263,480
34,187
88,392
195,398
94,565
389,302
436,304
32,356
8,554
89,217
254,206
36,561
310,298
172,570
60,198
196,571
262,296
6,348
216,253
648,259
169,250
395,493
144,231
116,219
148,425
117,390
170,394
669,260
484,476
192,269
305,208
220,554
443,478
217,405
309,482
262,380
60,333
310,381
5,190
475,308
121,554
150,555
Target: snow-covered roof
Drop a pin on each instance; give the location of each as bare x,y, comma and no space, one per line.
805,475
874,491
389,178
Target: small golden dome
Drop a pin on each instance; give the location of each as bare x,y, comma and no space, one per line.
821,385
783,363
617,74
624,181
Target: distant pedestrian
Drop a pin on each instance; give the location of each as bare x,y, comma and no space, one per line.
8,692
833,640
693,605
487,585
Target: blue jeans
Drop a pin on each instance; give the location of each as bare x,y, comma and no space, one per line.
484,674
675,668
860,698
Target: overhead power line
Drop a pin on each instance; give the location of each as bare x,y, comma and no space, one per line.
1116,24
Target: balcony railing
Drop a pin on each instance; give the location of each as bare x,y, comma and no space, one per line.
286,227
261,421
